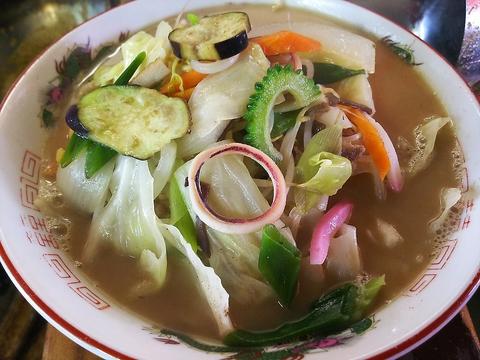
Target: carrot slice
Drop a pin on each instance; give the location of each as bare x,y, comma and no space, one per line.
372,140
286,42
190,79
185,94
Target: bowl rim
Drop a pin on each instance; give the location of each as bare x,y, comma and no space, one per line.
71,331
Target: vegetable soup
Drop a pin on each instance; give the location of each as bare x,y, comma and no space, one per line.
250,176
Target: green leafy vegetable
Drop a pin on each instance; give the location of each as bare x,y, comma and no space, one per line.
278,80
366,296
47,118
361,326
179,214
127,74
333,171
279,263
327,140
326,73
74,147
332,313
403,51
193,19
283,122
97,157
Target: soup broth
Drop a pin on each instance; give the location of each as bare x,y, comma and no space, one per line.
403,100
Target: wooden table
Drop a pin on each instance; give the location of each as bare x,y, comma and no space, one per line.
59,347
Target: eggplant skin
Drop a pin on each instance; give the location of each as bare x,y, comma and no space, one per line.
232,46
214,38
176,48
74,123
223,50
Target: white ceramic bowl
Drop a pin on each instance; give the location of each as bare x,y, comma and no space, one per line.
68,300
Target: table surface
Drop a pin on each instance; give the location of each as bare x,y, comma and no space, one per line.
26,28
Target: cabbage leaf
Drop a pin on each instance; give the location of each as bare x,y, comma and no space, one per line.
222,97
207,281
425,137
356,89
179,215
333,171
84,194
128,223
234,257
164,168
449,198
156,47
328,140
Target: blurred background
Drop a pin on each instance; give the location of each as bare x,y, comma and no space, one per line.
29,26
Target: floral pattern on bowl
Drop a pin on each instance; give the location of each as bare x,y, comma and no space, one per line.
290,351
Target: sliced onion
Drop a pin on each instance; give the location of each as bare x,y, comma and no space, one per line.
290,173
288,142
295,217
236,225
307,133
345,121
325,230
394,175
164,168
310,68
215,66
